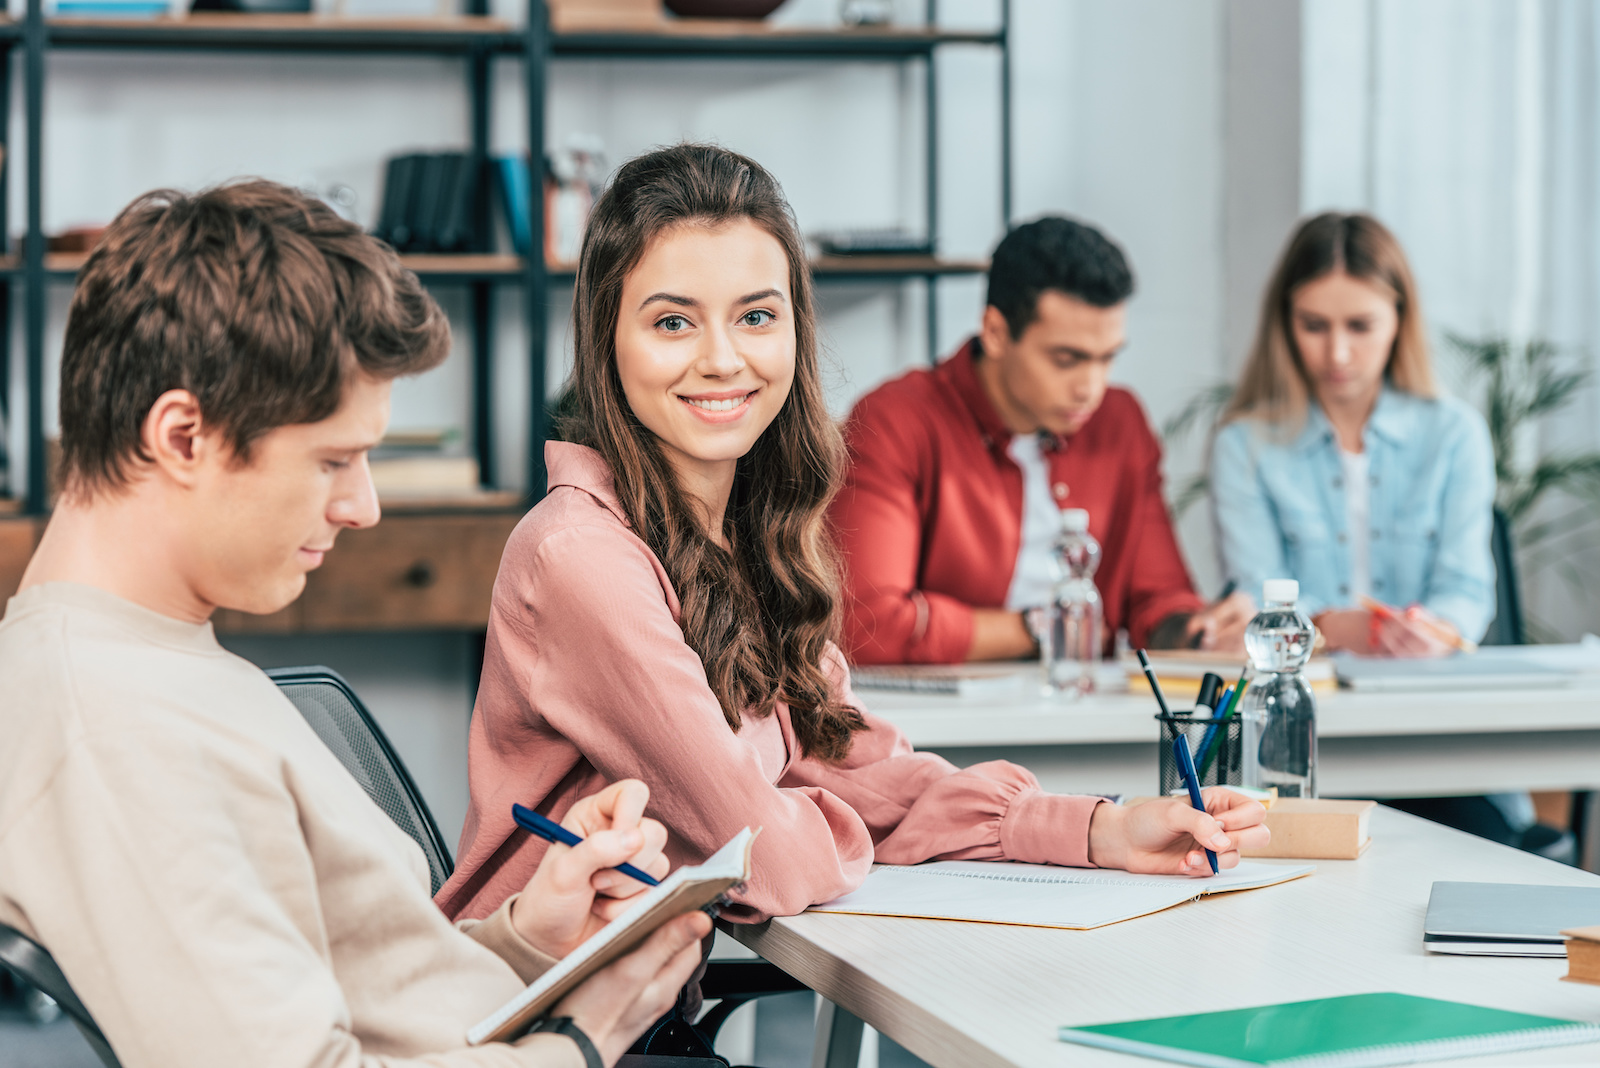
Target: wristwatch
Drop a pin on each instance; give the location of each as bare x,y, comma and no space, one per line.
563,1025
1033,623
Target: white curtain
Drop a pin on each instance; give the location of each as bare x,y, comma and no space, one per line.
1472,128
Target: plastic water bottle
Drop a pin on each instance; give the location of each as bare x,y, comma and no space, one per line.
1069,649
1280,716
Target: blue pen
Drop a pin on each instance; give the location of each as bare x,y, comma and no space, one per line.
551,831
1217,717
1180,752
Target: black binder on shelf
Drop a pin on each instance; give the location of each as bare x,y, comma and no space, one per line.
429,203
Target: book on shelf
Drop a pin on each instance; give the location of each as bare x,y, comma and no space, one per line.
515,185
430,203
879,242
423,462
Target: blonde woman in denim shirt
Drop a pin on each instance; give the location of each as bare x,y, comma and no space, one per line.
1340,465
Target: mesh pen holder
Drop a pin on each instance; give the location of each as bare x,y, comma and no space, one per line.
1222,766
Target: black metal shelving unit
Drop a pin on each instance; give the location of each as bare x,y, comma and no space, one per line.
474,38
692,40
477,40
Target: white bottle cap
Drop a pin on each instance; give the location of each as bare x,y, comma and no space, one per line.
1074,520
1280,591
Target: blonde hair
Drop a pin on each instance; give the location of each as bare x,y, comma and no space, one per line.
1274,387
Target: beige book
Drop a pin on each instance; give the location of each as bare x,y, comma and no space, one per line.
403,475
688,888
1316,828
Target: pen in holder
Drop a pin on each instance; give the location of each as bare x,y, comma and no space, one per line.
1226,766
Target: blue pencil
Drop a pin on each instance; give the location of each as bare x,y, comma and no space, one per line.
551,831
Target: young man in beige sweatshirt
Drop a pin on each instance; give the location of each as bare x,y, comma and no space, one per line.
216,887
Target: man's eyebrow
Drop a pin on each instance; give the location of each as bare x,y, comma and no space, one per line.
765,294
1080,354
670,298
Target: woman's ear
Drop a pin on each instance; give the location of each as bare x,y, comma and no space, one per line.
175,436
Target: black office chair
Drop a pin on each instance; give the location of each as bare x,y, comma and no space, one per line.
340,719
32,964
1507,626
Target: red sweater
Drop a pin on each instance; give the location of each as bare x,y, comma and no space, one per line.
930,518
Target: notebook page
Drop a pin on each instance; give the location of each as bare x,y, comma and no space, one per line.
1039,895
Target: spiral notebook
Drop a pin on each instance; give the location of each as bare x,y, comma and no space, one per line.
1040,895
1358,1031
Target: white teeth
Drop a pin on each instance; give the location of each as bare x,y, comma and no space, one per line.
718,405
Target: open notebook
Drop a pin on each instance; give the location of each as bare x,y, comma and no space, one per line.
1038,895
685,890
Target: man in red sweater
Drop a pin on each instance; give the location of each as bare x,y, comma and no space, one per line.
958,474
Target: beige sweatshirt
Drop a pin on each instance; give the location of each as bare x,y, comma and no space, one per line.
214,884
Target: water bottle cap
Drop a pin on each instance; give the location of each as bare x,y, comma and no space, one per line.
1280,591
1074,521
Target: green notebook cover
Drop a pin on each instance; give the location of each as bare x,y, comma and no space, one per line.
1359,1031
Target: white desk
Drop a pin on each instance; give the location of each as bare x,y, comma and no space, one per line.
1369,745
963,995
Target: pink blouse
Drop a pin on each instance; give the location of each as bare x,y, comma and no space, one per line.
587,679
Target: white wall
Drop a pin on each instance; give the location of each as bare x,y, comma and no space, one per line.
1119,119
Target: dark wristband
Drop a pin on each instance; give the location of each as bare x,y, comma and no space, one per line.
563,1025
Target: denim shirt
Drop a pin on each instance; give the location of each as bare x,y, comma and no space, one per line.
1279,509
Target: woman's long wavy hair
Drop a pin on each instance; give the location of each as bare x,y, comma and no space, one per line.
761,615
1274,387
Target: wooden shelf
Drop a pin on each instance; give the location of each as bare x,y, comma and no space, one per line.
672,38
443,267
699,38
481,501
311,33
432,265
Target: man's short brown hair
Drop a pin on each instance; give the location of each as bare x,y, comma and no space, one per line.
256,298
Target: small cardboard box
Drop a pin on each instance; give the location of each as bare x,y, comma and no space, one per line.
1307,828
578,15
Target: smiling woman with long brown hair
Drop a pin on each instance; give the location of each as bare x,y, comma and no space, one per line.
668,611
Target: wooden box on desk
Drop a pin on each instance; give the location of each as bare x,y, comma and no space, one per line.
1307,828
